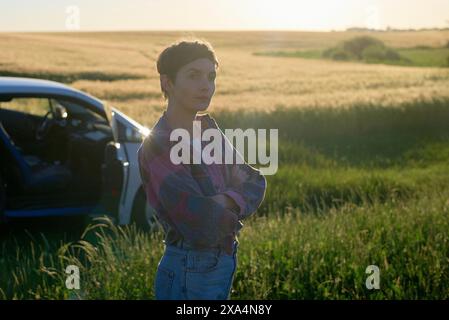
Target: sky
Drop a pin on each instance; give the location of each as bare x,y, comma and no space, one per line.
308,15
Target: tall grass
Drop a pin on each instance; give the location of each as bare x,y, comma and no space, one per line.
331,156
294,255
324,256
114,262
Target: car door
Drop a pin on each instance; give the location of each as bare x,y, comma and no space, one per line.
115,174
129,134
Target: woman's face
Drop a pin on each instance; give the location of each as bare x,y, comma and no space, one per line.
194,85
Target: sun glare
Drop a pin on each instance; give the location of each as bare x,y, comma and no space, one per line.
306,15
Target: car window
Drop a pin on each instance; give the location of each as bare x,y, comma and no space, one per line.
77,111
34,106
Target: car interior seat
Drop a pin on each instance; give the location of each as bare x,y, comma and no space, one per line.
30,174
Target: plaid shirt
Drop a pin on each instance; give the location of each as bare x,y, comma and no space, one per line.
180,193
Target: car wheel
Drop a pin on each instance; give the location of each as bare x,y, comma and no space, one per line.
143,215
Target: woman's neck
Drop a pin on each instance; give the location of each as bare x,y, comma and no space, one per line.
180,118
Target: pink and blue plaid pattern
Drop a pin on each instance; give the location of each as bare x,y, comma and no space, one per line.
180,193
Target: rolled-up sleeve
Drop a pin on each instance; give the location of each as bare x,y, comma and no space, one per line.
249,194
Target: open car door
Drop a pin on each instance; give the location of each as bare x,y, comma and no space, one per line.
115,172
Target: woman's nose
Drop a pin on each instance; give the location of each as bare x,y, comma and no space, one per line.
205,84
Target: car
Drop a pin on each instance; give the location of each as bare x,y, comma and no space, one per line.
64,152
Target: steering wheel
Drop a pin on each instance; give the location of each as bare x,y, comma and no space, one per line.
45,126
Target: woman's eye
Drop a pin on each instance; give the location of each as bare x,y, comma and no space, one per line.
193,76
212,77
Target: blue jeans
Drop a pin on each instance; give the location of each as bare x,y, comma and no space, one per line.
187,274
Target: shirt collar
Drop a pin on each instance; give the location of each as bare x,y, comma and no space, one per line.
163,127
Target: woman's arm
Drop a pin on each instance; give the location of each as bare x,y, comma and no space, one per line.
201,220
246,184
227,202
246,188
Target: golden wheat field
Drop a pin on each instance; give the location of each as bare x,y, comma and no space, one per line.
120,68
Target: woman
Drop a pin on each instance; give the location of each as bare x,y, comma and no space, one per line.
200,206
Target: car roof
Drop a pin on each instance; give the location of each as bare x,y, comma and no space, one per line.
31,86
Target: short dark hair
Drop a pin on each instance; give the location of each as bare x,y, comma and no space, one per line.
182,52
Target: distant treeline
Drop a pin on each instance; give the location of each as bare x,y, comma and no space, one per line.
389,29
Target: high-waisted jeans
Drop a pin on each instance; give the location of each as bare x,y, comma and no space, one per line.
188,274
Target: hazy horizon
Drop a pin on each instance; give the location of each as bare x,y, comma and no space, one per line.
229,15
